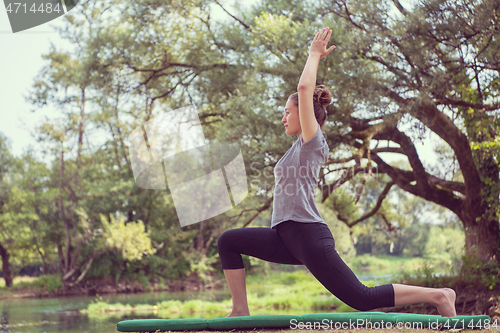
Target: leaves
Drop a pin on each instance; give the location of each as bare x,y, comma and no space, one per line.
129,238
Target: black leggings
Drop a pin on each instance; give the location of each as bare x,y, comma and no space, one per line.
309,244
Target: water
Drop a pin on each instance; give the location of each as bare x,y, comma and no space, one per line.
376,278
63,315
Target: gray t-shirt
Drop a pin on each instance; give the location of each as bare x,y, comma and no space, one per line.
296,177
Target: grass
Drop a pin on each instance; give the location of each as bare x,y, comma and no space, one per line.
19,281
358,330
26,286
276,293
273,293
386,264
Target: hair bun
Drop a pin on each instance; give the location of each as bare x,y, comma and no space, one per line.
323,95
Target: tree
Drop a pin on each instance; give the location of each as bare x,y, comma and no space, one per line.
5,164
435,67
396,75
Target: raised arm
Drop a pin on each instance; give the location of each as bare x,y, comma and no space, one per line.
307,83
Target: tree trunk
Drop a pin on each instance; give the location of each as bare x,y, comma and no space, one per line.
81,129
6,266
481,225
482,239
200,239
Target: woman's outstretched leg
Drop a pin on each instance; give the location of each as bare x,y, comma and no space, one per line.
442,298
237,286
314,245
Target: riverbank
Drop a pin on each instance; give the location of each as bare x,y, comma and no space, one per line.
473,297
367,267
291,293
51,286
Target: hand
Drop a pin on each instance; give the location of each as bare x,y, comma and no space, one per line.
319,43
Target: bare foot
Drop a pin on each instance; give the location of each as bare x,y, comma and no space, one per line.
238,314
446,303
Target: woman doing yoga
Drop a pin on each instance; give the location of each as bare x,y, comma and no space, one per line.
298,234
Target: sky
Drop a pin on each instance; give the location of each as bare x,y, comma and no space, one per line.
21,60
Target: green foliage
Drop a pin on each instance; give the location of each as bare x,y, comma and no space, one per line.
5,164
105,307
481,274
41,285
293,278
424,276
109,264
171,306
203,267
394,265
406,225
130,238
417,237
49,283
445,243
140,277
467,274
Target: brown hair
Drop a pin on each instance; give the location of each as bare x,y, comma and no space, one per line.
321,99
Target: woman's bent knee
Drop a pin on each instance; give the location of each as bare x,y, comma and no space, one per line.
225,239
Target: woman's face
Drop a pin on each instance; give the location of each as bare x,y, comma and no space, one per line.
291,119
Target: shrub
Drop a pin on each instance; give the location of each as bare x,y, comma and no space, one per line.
49,283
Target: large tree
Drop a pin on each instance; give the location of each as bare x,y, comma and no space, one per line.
397,74
434,66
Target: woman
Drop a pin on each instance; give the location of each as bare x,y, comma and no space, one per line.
298,234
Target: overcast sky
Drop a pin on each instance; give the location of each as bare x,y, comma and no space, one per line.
20,61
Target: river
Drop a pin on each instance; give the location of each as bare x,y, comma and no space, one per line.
46,315
62,314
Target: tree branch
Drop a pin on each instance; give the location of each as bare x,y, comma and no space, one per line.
394,150
442,196
375,209
346,176
259,210
411,153
90,258
400,7
443,126
390,227
234,17
347,16
476,106
450,185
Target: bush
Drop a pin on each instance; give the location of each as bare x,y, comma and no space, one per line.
469,274
483,274
105,307
49,283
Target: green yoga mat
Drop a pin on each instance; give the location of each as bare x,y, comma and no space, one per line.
349,320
